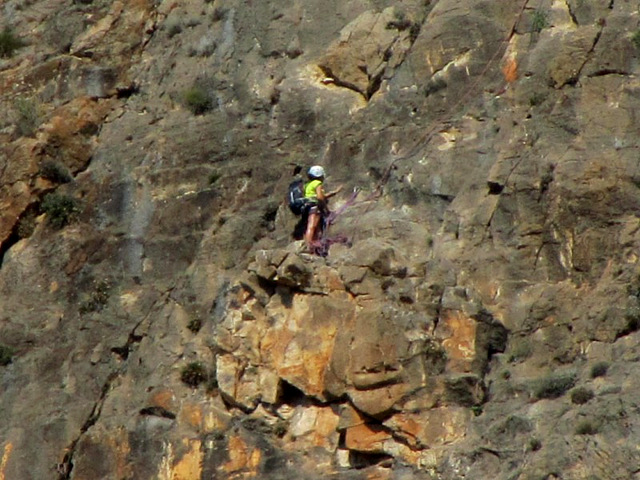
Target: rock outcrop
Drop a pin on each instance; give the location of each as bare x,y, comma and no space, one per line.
158,320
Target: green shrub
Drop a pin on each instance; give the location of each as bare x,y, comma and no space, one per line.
193,374
636,39
197,100
174,29
219,14
537,98
6,355
599,369
586,427
477,410
55,172
27,116
26,225
581,395
195,324
60,209
533,445
520,350
553,386
539,20
400,22
214,177
9,43
435,356
98,297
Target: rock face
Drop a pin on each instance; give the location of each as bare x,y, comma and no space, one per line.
158,321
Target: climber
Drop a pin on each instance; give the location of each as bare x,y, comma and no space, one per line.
316,200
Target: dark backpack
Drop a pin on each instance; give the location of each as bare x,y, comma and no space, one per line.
296,198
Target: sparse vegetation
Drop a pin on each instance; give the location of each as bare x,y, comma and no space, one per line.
400,22
60,209
435,355
212,383
6,355
205,48
539,20
214,177
586,427
553,386
55,172
195,324
434,86
599,369
520,350
581,395
533,445
197,99
193,374
174,29
27,117
636,39
219,14
9,43
537,98
26,225
98,298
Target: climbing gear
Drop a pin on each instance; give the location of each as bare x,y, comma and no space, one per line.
321,246
297,202
316,171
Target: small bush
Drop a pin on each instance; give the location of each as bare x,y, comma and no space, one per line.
26,225
553,386
435,356
400,22
194,374
9,43
27,116
586,427
195,324
197,100
581,395
55,172
60,209
212,383
477,410
219,14
6,355
599,369
174,29
214,177
539,20
520,350
636,39
98,298
533,445
536,99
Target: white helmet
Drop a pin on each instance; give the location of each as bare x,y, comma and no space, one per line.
316,171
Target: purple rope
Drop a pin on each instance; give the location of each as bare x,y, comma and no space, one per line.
321,246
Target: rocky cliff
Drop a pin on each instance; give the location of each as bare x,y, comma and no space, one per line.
158,321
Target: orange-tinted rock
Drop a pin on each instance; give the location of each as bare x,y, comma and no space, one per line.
312,427
457,332
430,428
366,438
300,344
242,457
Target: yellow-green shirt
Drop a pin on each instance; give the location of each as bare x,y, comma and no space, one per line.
310,189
